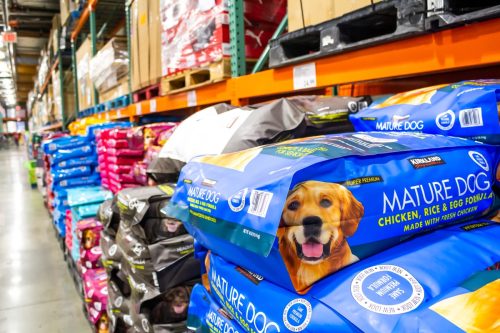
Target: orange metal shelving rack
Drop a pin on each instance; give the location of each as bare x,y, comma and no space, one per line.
472,46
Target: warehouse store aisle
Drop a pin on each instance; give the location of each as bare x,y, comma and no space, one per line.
37,293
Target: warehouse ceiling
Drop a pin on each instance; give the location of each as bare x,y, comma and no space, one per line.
31,20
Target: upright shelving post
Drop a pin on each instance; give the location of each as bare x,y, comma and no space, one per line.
129,48
61,81
93,43
75,77
237,38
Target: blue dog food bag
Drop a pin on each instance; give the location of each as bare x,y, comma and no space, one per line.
467,109
206,316
65,142
470,307
319,204
93,179
260,306
388,292
81,171
66,154
76,162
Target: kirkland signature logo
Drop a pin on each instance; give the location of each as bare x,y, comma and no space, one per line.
428,161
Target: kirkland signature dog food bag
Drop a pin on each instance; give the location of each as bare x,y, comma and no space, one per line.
313,206
467,109
444,281
205,315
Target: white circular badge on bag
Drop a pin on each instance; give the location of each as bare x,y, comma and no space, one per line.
387,289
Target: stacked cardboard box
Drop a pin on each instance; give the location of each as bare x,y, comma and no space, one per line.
303,13
109,69
86,93
196,33
54,34
145,43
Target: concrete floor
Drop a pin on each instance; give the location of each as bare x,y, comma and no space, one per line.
37,293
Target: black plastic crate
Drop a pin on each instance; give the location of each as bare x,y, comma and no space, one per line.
379,23
451,13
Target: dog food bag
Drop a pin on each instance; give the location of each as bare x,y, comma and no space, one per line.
205,315
146,259
87,195
111,253
118,294
95,290
88,181
66,154
88,234
139,203
117,168
78,162
60,174
122,177
295,117
319,204
377,294
122,160
93,131
62,143
470,307
467,109
125,152
260,306
109,215
205,132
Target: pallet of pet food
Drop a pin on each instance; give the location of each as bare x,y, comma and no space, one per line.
71,162
125,153
150,285
82,233
425,284
200,29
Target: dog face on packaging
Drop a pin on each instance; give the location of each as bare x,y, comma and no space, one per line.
88,239
103,324
171,227
316,220
172,306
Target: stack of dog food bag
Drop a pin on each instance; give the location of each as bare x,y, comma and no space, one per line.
84,203
84,252
71,162
364,231
149,260
154,139
119,149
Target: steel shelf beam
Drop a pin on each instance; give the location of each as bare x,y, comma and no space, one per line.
472,46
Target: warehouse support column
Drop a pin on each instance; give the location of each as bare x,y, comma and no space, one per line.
237,35
64,115
75,76
129,49
93,43
265,54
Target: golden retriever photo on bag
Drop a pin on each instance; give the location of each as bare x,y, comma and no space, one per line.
316,220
